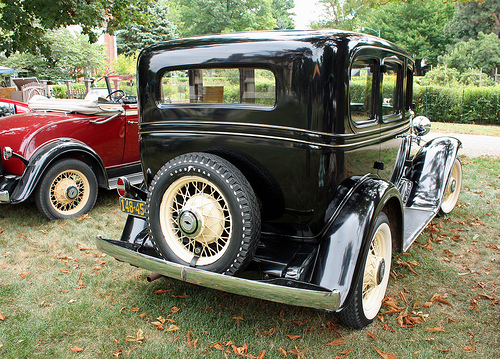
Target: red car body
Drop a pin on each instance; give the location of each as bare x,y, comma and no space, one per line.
86,150
11,107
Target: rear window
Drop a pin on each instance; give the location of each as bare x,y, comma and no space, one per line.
232,86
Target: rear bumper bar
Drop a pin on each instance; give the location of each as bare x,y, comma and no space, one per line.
280,290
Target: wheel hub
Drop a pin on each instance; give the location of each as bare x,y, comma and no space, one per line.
380,271
71,192
190,222
453,185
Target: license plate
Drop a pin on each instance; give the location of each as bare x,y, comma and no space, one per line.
132,206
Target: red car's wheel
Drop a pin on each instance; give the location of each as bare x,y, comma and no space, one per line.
68,189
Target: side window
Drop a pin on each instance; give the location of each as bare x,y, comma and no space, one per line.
7,109
362,92
219,85
392,90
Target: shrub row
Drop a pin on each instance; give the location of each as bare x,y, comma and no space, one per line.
479,105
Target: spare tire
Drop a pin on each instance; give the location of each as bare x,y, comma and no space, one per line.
202,212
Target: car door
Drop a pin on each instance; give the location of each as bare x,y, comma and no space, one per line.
131,147
392,120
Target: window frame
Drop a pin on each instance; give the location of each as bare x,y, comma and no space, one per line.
241,105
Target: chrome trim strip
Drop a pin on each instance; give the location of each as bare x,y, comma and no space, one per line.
371,141
277,293
370,132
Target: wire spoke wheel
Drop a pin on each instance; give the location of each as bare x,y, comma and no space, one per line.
69,192
201,211
453,188
195,220
68,189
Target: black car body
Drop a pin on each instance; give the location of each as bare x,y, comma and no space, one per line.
311,132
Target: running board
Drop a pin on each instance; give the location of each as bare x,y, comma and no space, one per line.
415,221
279,290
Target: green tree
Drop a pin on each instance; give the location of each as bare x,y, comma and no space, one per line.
418,27
483,53
474,17
136,36
341,14
69,56
198,17
23,23
280,11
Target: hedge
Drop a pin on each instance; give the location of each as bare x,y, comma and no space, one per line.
479,105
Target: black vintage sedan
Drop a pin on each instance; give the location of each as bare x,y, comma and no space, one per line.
284,165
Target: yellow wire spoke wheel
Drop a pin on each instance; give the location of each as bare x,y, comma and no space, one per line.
203,212
69,192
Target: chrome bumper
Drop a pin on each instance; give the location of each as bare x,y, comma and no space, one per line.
321,299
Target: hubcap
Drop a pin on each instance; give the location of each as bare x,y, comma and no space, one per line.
189,223
71,192
380,270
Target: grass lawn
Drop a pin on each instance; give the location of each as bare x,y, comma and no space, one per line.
446,127
61,298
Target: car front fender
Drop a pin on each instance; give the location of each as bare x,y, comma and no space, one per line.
429,172
346,240
43,157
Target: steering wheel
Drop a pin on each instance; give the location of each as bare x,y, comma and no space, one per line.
117,98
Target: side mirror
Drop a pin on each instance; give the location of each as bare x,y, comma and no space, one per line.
421,125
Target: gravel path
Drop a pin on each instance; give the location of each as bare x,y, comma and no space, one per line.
473,145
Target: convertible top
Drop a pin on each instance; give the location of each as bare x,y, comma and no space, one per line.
88,106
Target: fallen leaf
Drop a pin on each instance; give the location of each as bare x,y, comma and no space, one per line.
2,317
434,330
299,353
282,351
184,296
238,319
76,349
385,355
292,336
338,342
172,328
174,309
347,352
469,349
437,298
24,275
160,291
217,346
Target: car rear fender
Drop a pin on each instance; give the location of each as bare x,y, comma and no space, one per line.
48,153
345,242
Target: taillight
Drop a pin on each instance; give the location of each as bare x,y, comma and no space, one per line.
123,186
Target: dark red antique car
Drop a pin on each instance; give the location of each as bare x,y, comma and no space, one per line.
11,107
283,165
65,149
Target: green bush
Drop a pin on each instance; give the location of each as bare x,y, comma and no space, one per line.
458,104
61,91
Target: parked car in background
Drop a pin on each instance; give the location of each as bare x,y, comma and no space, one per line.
65,149
11,107
286,166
